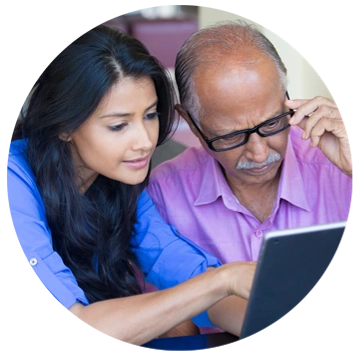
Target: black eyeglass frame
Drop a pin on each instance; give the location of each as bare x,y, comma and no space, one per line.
248,132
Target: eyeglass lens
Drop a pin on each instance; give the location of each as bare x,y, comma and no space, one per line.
237,139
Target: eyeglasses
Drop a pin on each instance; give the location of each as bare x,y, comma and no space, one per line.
235,139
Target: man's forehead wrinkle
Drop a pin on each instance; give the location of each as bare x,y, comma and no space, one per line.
222,125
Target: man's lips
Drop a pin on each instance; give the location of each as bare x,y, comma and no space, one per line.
258,170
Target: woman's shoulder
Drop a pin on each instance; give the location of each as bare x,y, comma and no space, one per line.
18,163
145,203
18,155
21,181
18,147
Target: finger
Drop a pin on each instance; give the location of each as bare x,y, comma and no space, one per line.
295,103
327,126
322,113
307,107
316,134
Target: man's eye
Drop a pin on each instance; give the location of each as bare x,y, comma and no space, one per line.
233,137
272,124
118,127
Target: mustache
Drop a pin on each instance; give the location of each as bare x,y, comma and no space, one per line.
252,165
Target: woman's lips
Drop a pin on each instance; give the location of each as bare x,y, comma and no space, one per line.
137,163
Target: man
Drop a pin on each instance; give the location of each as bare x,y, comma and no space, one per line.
266,163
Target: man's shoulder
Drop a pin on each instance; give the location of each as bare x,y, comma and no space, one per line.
192,159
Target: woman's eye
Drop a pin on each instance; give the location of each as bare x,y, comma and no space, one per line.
118,127
153,115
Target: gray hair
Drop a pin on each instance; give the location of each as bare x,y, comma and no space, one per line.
210,46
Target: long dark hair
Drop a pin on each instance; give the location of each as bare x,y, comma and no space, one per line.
91,232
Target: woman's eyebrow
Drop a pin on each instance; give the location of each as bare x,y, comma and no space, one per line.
121,115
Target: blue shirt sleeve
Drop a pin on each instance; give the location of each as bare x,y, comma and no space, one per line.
165,256
28,215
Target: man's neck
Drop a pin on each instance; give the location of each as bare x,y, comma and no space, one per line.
259,199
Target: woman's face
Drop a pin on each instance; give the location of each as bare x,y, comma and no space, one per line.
119,139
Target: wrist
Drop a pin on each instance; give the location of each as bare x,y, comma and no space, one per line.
224,278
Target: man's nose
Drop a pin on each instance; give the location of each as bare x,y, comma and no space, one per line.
256,149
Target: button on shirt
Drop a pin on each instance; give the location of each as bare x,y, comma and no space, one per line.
191,192
166,257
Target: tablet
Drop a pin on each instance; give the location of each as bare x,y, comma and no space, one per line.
290,264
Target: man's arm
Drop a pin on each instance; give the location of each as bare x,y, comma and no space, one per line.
321,122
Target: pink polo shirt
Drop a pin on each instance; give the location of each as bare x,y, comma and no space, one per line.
192,194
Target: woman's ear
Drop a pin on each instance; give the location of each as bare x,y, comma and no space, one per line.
65,136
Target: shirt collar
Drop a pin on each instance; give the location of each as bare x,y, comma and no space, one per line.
213,183
291,186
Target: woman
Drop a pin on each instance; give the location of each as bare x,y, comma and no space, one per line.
76,179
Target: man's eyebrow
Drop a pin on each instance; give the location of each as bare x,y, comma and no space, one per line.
121,115
225,131
219,132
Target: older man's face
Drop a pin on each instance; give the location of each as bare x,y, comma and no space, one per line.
237,97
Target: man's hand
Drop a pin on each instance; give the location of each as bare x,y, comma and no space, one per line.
321,122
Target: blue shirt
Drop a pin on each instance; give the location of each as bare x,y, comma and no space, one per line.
166,258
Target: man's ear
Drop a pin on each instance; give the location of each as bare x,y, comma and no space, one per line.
183,113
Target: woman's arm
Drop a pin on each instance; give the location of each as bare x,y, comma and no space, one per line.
187,328
139,319
135,319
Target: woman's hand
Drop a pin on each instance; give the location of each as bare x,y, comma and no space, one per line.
229,313
239,277
140,318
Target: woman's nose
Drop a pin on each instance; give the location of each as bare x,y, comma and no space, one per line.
142,139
